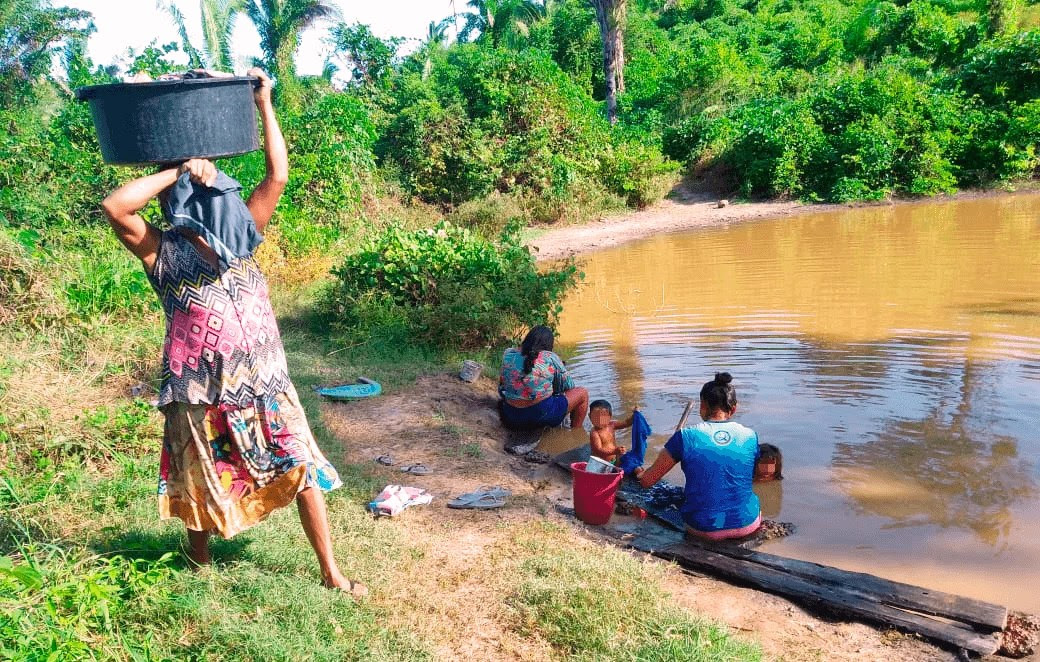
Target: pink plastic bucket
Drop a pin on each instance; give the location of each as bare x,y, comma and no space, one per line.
594,494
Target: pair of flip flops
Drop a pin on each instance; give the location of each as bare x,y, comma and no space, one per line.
416,469
488,497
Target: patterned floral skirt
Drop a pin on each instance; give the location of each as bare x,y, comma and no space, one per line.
224,468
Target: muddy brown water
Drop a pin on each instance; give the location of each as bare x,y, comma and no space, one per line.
892,353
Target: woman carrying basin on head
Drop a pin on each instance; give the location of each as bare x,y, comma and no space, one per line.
718,458
236,443
535,387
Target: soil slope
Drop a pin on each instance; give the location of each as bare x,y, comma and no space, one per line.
455,598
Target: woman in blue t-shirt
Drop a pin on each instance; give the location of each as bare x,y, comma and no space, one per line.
718,458
535,387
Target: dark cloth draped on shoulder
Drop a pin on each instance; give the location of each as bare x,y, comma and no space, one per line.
217,213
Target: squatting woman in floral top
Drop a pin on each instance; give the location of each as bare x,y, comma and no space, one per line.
535,387
236,443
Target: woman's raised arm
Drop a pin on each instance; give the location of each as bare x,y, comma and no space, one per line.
264,198
122,205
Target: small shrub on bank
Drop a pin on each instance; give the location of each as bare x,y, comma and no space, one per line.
62,608
444,287
575,204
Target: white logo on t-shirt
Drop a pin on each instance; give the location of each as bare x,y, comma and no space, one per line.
722,438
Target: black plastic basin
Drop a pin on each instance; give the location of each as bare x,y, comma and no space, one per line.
175,120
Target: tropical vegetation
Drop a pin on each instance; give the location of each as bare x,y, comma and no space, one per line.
415,168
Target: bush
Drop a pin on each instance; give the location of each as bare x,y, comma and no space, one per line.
778,142
27,297
444,287
53,174
487,120
640,174
490,215
331,171
1006,70
920,28
863,135
443,158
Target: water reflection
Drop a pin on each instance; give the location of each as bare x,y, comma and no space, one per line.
893,353
946,469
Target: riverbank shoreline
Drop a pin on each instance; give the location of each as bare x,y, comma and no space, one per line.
470,557
685,210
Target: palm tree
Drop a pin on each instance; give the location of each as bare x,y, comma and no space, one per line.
280,23
218,22
504,22
436,36
195,58
610,14
437,32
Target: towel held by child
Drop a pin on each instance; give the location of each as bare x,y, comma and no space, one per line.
603,443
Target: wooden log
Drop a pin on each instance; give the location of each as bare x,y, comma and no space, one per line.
876,595
830,596
977,613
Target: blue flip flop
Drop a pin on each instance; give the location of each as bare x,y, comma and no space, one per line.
365,388
486,498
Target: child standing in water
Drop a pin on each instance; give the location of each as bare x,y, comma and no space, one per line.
601,437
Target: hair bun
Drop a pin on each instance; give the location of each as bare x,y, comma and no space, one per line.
723,378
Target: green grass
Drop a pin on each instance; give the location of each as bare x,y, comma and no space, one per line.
90,573
87,572
605,605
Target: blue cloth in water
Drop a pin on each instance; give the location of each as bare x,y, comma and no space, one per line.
217,213
637,451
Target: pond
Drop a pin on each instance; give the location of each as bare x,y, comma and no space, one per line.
893,353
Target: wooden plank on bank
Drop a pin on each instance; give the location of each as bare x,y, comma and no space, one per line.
580,454
829,595
977,613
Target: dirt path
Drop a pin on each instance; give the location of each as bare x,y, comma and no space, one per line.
682,210
687,210
461,606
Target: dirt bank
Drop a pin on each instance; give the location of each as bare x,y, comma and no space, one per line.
457,597
688,210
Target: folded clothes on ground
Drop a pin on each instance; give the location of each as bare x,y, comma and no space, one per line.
395,498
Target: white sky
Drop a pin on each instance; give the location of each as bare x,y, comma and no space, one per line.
123,24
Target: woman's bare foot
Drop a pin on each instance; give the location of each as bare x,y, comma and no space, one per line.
357,590
198,549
